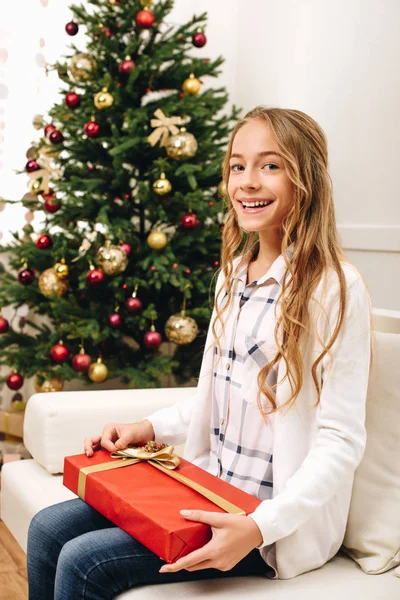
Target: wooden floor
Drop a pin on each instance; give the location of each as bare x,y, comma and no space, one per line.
13,580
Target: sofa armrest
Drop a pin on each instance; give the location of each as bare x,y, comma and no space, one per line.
57,423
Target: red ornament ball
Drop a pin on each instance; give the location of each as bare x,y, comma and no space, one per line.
71,28
55,136
127,248
216,263
51,204
4,325
188,271
26,276
44,242
15,381
145,18
152,339
127,66
32,166
153,268
48,129
199,39
72,100
95,276
91,128
59,353
81,362
115,320
133,305
190,221
175,266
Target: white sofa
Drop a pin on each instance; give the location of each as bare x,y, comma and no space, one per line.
55,426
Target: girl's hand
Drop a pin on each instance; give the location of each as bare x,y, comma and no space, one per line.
117,436
233,537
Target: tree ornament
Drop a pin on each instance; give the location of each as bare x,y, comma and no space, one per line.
81,67
26,276
133,304
221,190
190,221
157,240
15,381
38,122
162,186
111,259
103,99
91,128
127,248
48,129
199,39
49,284
32,166
94,276
59,352
61,270
44,242
71,28
163,127
55,384
81,361
181,329
115,320
98,371
182,146
51,204
36,187
145,18
152,338
55,136
191,85
72,100
127,66
4,325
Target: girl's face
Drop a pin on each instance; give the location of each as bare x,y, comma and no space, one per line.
259,187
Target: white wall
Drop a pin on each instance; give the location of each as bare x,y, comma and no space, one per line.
339,61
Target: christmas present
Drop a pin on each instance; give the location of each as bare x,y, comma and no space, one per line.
142,491
12,423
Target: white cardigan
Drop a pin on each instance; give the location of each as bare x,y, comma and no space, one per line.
316,449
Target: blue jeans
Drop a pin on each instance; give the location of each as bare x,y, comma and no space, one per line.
75,553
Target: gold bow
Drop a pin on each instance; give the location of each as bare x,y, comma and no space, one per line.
164,126
164,460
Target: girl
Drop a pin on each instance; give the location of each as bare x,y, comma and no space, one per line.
280,404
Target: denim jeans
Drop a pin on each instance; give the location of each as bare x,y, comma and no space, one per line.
75,553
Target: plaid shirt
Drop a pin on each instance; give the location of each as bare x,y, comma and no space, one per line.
240,439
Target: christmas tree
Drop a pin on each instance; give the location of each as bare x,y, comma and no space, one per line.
127,172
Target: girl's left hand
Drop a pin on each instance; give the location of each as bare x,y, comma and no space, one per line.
233,537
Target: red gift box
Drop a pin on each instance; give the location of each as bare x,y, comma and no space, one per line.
145,502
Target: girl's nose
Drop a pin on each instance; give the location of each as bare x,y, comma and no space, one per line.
250,180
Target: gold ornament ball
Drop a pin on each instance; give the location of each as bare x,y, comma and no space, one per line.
162,186
157,240
49,283
191,85
49,150
61,270
182,146
98,371
103,99
55,384
81,67
36,187
221,189
181,329
38,122
111,259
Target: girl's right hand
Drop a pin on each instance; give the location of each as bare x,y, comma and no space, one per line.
117,436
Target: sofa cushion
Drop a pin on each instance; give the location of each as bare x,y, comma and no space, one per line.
373,531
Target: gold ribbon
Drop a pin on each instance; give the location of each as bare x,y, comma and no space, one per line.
164,126
164,460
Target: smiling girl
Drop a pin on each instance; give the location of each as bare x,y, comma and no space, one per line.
280,405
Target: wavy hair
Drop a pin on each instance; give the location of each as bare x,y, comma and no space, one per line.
310,226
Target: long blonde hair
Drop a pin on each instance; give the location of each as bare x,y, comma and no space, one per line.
310,225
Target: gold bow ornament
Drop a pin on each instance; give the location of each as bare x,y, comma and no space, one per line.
162,457
164,127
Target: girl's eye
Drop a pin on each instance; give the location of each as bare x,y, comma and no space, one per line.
236,167
271,165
